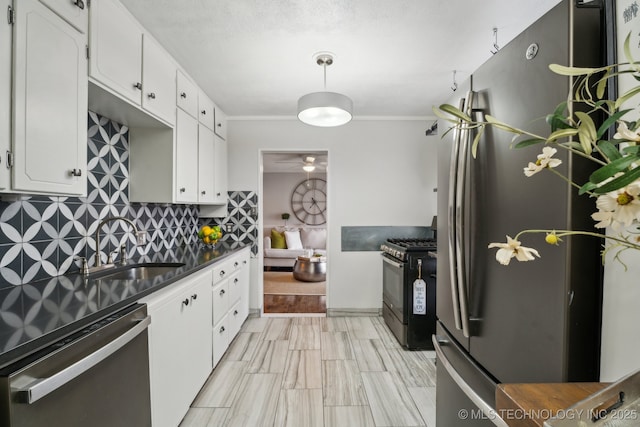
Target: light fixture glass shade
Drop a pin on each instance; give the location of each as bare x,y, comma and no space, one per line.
308,168
325,109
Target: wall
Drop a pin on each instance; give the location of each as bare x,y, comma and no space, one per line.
40,236
276,196
380,173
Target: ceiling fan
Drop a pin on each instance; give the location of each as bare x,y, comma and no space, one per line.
309,162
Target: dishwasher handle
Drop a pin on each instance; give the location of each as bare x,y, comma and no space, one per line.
41,387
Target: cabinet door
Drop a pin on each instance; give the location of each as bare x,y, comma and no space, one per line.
74,12
158,81
50,103
220,301
206,165
187,94
235,321
180,349
116,49
186,158
245,280
221,340
221,123
5,97
206,110
235,290
221,170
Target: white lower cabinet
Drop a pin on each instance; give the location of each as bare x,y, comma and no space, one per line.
193,321
180,346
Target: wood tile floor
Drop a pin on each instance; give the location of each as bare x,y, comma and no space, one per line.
317,371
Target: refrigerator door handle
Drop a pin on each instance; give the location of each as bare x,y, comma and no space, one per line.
452,210
461,207
486,408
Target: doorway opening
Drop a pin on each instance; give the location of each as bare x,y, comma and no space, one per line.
295,227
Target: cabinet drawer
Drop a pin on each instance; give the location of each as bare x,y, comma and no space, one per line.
221,272
187,94
220,339
220,301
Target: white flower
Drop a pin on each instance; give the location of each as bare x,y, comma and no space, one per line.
625,133
511,249
545,160
618,208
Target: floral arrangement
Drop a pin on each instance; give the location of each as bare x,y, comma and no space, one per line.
615,184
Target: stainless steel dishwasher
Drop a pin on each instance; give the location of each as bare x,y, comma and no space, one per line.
98,376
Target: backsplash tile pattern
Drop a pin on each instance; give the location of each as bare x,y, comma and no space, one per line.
41,236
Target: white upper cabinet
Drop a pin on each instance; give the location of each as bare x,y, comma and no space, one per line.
5,98
127,61
220,157
50,101
158,81
187,94
207,166
72,11
116,49
186,158
221,123
206,110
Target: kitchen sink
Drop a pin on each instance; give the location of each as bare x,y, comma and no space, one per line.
139,271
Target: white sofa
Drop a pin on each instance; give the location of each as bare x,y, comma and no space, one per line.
313,239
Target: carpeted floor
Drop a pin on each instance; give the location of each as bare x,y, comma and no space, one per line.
283,283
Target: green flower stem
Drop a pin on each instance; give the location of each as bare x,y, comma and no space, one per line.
573,184
563,233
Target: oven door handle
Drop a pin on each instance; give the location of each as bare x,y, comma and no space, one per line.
40,387
394,263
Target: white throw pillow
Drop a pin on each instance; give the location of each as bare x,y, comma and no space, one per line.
293,239
314,238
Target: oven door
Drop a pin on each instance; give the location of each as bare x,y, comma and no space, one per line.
393,275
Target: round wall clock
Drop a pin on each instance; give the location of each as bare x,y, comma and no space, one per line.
309,201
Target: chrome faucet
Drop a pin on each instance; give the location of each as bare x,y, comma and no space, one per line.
141,236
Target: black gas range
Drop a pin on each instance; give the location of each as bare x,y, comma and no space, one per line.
409,290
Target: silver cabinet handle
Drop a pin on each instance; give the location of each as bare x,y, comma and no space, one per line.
235,264
138,85
43,386
194,297
182,189
235,312
222,292
219,125
486,408
203,192
152,95
222,329
222,273
185,302
235,280
75,172
204,112
183,95
217,194
79,3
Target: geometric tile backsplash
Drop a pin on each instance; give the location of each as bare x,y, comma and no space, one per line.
41,236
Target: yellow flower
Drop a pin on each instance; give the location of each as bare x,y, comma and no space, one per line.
552,238
511,249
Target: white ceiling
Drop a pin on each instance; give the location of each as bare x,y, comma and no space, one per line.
394,58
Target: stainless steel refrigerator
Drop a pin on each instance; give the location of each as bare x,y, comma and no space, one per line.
535,321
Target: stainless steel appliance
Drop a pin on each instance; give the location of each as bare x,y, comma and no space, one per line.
98,376
409,290
530,321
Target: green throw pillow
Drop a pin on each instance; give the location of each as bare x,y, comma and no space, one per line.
277,240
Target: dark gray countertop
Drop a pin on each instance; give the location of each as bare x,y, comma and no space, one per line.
34,315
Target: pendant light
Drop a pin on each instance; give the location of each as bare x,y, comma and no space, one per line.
325,109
